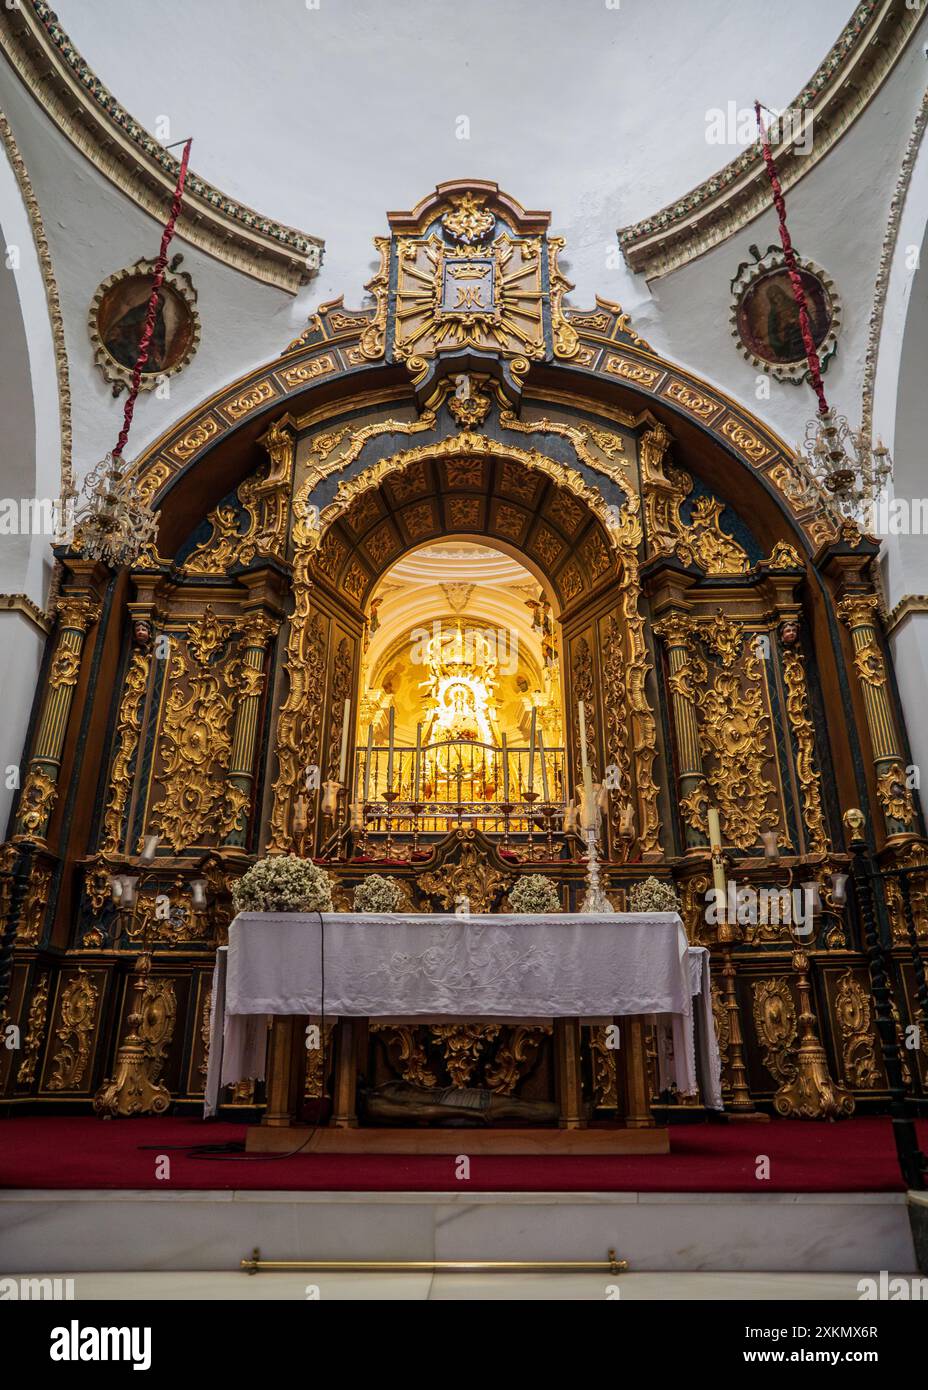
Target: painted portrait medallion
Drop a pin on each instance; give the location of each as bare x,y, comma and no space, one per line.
117,319
765,316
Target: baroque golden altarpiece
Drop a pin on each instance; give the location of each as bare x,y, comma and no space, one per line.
726,641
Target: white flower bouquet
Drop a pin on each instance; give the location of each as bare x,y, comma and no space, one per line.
283,883
653,895
534,893
377,894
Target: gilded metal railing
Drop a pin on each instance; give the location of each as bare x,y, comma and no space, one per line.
455,781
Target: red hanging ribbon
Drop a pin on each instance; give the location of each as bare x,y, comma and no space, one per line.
792,267
157,281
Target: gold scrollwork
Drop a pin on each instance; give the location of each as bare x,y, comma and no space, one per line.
77,1012
196,734
776,1027
797,711
128,730
858,1044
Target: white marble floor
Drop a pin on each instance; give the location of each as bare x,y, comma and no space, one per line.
272,1287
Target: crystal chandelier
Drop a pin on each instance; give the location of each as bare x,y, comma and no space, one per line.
836,468
114,523
842,468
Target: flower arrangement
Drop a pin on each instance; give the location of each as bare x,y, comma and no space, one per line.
534,893
377,894
283,883
653,895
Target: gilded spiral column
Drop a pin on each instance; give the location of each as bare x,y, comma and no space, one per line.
858,612
259,631
675,631
76,613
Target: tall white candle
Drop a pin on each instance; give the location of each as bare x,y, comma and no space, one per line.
531,751
581,711
715,845
367,763
544,770
343,760
392,730
418,760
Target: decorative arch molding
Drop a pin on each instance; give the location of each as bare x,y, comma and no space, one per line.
591,360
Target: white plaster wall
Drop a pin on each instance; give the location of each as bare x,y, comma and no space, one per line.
30,444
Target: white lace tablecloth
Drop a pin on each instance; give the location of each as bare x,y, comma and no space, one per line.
436,967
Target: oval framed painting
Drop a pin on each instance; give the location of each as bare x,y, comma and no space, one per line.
765,317
117,318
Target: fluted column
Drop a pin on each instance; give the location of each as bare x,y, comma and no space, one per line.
76,613
260,629
675,631
858,613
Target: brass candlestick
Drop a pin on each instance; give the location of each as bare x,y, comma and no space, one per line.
507,808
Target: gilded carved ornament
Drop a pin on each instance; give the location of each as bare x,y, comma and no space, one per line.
196,734
700,541
128,731
265,501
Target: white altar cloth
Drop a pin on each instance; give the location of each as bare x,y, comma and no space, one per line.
440,967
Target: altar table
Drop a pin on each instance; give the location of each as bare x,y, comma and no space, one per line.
428,968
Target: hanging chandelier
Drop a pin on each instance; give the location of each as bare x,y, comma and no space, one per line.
837,468
114,523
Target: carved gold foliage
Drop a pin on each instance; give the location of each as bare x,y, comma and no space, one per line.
462,1045
341,690
298,724
638,664
797,711
38,1012
408,1053
515,1057
614,688
894,794
733,734
605,1077
704,543
264,499
33,913
721,1018
785,557
472,877
158,1008
36,803
868,662
467,220
775,1023
196,734
858,1043
77,1012
317,1059
128,730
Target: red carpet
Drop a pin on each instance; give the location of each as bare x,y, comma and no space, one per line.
83,1152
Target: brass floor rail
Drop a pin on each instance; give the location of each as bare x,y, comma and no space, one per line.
611,1265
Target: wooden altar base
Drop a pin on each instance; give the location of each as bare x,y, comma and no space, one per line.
377,1140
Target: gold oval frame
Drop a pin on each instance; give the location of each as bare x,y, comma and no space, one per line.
180,285
747,277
